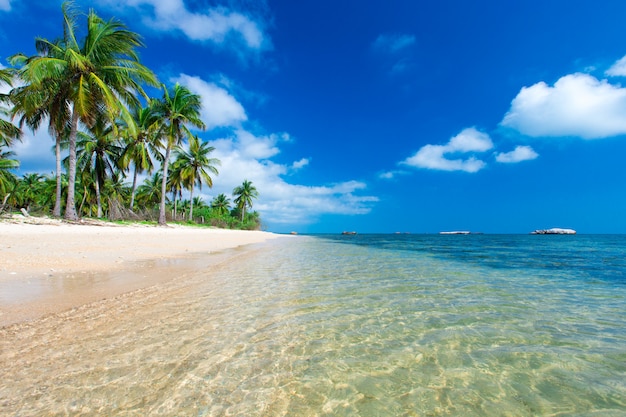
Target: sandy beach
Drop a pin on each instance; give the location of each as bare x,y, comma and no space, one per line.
48,266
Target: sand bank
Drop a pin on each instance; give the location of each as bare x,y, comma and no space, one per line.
53,266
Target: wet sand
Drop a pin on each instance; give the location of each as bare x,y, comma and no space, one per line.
52,266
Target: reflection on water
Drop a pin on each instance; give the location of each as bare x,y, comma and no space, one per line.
319,328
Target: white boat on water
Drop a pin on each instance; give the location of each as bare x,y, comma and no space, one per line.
455,232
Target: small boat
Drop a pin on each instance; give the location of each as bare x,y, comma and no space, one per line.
348,233
456,232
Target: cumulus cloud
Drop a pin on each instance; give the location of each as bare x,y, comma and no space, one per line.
435,156
519,154
219,108
618,69
215,25
257,147
245,156
577,105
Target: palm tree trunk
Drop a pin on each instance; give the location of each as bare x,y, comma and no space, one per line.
191,203
132,194
98,198
175,200
57,202
82,202
162,221
70,208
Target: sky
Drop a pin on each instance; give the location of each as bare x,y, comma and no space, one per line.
388,116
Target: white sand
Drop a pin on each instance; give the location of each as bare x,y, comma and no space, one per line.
51,267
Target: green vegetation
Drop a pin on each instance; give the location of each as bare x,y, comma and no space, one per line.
90,91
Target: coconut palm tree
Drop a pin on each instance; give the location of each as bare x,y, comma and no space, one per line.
29,189
149,192
8,132
6,177
142,149
38,102
221,205
195,165
244,194
178,109
101,72
98,153
175,186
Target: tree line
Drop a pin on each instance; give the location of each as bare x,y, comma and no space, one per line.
90,93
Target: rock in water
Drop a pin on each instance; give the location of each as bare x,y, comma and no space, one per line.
554,231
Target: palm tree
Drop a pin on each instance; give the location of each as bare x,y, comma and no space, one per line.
175,186
48,198
142,148
29,189
244,194
178,108
100,73
98,153
194,164
36,102
221,205
8,131
149,192
6,164
116,193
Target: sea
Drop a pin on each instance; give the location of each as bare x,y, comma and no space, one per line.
367,325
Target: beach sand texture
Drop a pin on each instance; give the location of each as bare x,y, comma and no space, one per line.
53,266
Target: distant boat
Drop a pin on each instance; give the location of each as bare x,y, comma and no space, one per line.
348,233
456,232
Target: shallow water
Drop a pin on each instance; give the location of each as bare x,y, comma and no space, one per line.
348,326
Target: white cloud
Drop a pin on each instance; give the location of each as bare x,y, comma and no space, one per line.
618,69
257,147
214,25
434,156
245,156
519,154
577,105
5,5
389,175
300,164
219,108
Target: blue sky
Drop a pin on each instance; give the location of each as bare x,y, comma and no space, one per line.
380,116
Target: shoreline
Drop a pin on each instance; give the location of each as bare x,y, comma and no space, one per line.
49,266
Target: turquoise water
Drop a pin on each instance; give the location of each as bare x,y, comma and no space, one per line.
366,325
467,325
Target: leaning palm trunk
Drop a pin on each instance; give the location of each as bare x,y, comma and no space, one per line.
57,201
70,207
166,160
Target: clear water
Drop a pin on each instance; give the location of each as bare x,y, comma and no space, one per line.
366,325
